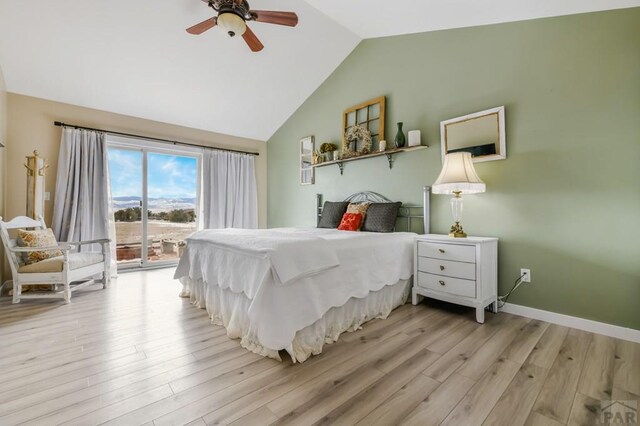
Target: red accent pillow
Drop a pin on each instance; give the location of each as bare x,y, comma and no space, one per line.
351,222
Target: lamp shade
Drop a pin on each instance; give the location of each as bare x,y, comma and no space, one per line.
458,175
232,24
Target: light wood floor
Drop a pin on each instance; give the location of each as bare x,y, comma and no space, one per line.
138,354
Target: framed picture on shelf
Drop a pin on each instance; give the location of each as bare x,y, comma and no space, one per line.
307,173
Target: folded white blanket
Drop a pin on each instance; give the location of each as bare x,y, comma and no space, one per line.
293,253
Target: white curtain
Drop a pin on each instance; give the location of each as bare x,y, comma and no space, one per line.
230,197
81,205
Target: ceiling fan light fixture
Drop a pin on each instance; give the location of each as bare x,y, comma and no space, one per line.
232,24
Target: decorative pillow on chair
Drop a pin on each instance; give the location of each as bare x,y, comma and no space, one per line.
351,222
332,213
37,238
381,217
358,208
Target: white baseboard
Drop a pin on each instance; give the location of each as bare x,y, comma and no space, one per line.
574,322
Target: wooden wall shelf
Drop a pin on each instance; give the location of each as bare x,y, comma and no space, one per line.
389,153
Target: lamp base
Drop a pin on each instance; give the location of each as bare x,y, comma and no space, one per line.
456,231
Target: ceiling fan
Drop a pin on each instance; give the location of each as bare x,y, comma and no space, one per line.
233,16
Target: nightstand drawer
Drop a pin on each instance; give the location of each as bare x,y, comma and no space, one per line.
456,252
447,268
449,285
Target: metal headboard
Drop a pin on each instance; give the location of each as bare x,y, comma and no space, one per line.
407,212
367,197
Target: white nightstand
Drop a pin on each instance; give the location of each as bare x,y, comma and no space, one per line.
457,270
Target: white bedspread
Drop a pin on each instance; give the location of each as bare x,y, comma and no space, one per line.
367,262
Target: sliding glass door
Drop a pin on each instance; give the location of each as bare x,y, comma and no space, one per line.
126,172
172,185
155,199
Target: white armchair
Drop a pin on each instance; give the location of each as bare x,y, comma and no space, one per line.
73,267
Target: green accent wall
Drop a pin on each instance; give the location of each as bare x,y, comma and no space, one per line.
566,201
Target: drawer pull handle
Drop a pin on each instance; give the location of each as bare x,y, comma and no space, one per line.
441,250
441,282
441,268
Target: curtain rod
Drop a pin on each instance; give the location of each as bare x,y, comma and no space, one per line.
62,124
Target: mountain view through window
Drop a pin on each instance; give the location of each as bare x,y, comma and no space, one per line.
171,183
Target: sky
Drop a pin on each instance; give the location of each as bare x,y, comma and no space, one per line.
169,176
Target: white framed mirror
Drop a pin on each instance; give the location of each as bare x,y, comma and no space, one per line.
307,173
481,133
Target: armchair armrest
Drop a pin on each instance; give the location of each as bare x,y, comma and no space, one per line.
98,241
61,247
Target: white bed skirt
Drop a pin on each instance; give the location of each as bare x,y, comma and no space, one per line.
230,310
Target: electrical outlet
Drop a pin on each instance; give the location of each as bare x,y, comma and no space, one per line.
527,275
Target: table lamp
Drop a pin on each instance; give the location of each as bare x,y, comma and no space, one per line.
458,176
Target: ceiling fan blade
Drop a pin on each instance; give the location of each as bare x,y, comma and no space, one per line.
203,26
254,44
289,19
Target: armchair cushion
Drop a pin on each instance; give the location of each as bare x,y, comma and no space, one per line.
34,239
55,264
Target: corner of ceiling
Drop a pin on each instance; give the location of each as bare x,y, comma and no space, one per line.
320,83
349,30
353,41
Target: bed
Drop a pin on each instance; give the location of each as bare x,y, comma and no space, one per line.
297,289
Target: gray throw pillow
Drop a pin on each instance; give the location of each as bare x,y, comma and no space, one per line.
332,213
381,217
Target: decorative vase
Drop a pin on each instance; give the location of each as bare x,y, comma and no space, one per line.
383,146
400,140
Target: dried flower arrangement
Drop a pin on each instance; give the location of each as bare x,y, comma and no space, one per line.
316,157
328,147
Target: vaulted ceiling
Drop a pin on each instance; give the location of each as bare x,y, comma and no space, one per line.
135,58
381,18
